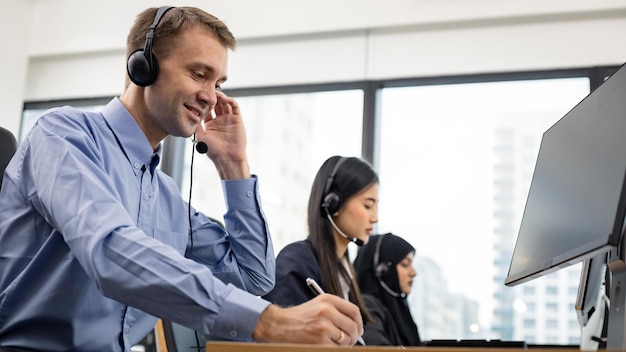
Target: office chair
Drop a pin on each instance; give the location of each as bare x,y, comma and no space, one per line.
172,337
8,146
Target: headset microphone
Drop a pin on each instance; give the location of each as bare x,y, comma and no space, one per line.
201,147
390,291
355,240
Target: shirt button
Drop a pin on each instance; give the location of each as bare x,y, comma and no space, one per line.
249,194
233,333
137,165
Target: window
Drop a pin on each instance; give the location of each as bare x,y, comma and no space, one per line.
443,184
289,137
529,323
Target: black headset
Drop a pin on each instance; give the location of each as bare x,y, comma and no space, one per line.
332,200
381,268
142,65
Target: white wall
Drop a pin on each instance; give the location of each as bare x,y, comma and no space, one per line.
75,48
15,27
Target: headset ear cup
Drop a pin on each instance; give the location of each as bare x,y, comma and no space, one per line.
140,70
332,202
381,269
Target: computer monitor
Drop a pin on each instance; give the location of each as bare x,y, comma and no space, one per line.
576,203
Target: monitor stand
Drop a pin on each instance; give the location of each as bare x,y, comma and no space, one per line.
592,332
617,304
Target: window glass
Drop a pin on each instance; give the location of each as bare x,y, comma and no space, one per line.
456,163
289,137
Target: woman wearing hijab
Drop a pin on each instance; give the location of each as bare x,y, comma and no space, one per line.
385,273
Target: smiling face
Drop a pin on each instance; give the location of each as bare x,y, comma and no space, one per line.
190,73
357,216
406,273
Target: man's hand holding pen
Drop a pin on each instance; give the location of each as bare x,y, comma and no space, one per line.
326,319
318,291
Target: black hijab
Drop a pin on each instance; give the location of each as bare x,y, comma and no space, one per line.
385,252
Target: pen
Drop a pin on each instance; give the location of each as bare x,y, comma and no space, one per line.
318,290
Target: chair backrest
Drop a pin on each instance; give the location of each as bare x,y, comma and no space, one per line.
8,146
172,337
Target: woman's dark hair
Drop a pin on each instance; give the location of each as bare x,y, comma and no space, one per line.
353,176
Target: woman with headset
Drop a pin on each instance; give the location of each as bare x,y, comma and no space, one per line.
385,273
342,209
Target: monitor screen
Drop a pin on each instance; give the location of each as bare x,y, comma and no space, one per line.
574,208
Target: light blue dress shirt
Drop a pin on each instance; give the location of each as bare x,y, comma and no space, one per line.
94,240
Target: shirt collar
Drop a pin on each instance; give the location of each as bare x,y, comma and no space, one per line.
130,137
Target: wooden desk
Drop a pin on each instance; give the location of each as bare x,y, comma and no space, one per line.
278,347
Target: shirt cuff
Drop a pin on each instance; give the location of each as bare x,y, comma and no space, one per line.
239,315
241,193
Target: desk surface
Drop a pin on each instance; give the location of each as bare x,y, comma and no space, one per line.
278,347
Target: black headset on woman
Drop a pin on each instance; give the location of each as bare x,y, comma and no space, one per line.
381,268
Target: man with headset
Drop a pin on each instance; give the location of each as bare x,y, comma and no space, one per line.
96,241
